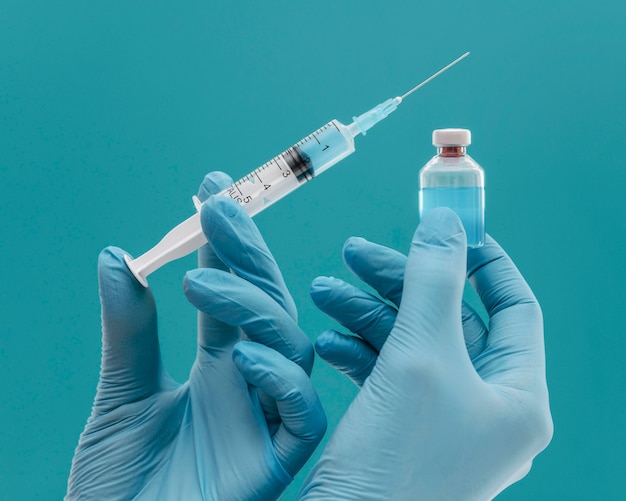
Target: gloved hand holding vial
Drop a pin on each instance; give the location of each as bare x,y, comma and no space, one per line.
449,407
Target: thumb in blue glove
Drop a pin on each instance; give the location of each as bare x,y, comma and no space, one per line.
433,421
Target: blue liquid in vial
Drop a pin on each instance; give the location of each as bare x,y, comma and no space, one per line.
468,203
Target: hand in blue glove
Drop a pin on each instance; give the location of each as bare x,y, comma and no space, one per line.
448,409
247,419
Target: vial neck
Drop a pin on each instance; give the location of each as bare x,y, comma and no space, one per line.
451,151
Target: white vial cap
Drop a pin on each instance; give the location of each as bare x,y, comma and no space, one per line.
452,137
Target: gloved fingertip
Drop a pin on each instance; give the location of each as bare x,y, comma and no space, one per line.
352,246
325,342
120,292
238,354
111,263
193,280
111,255
242,360
194,275
322,288
218,212
439,226
259,364
227,206
320,283
212,184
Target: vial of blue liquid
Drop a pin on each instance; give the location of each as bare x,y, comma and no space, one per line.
453,179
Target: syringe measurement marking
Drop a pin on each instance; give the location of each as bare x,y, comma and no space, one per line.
326,146
313,134
282,162
244,199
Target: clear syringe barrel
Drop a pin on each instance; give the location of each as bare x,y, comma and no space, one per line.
286,172
256,191
275,179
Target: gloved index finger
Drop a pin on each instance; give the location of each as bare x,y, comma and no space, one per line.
237,302
238,243
211,328
496,279
360,312
212,184
378,266
515,340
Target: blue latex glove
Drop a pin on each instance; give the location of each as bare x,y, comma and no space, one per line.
247,419
449,409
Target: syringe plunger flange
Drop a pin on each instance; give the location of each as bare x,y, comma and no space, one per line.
135,271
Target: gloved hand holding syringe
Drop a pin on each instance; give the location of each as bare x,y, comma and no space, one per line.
273,180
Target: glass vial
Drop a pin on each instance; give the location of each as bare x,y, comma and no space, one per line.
453,179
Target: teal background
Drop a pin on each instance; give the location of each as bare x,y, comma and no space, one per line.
111,113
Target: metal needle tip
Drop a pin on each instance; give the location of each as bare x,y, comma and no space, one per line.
435,75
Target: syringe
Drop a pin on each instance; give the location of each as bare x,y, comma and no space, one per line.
273,180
